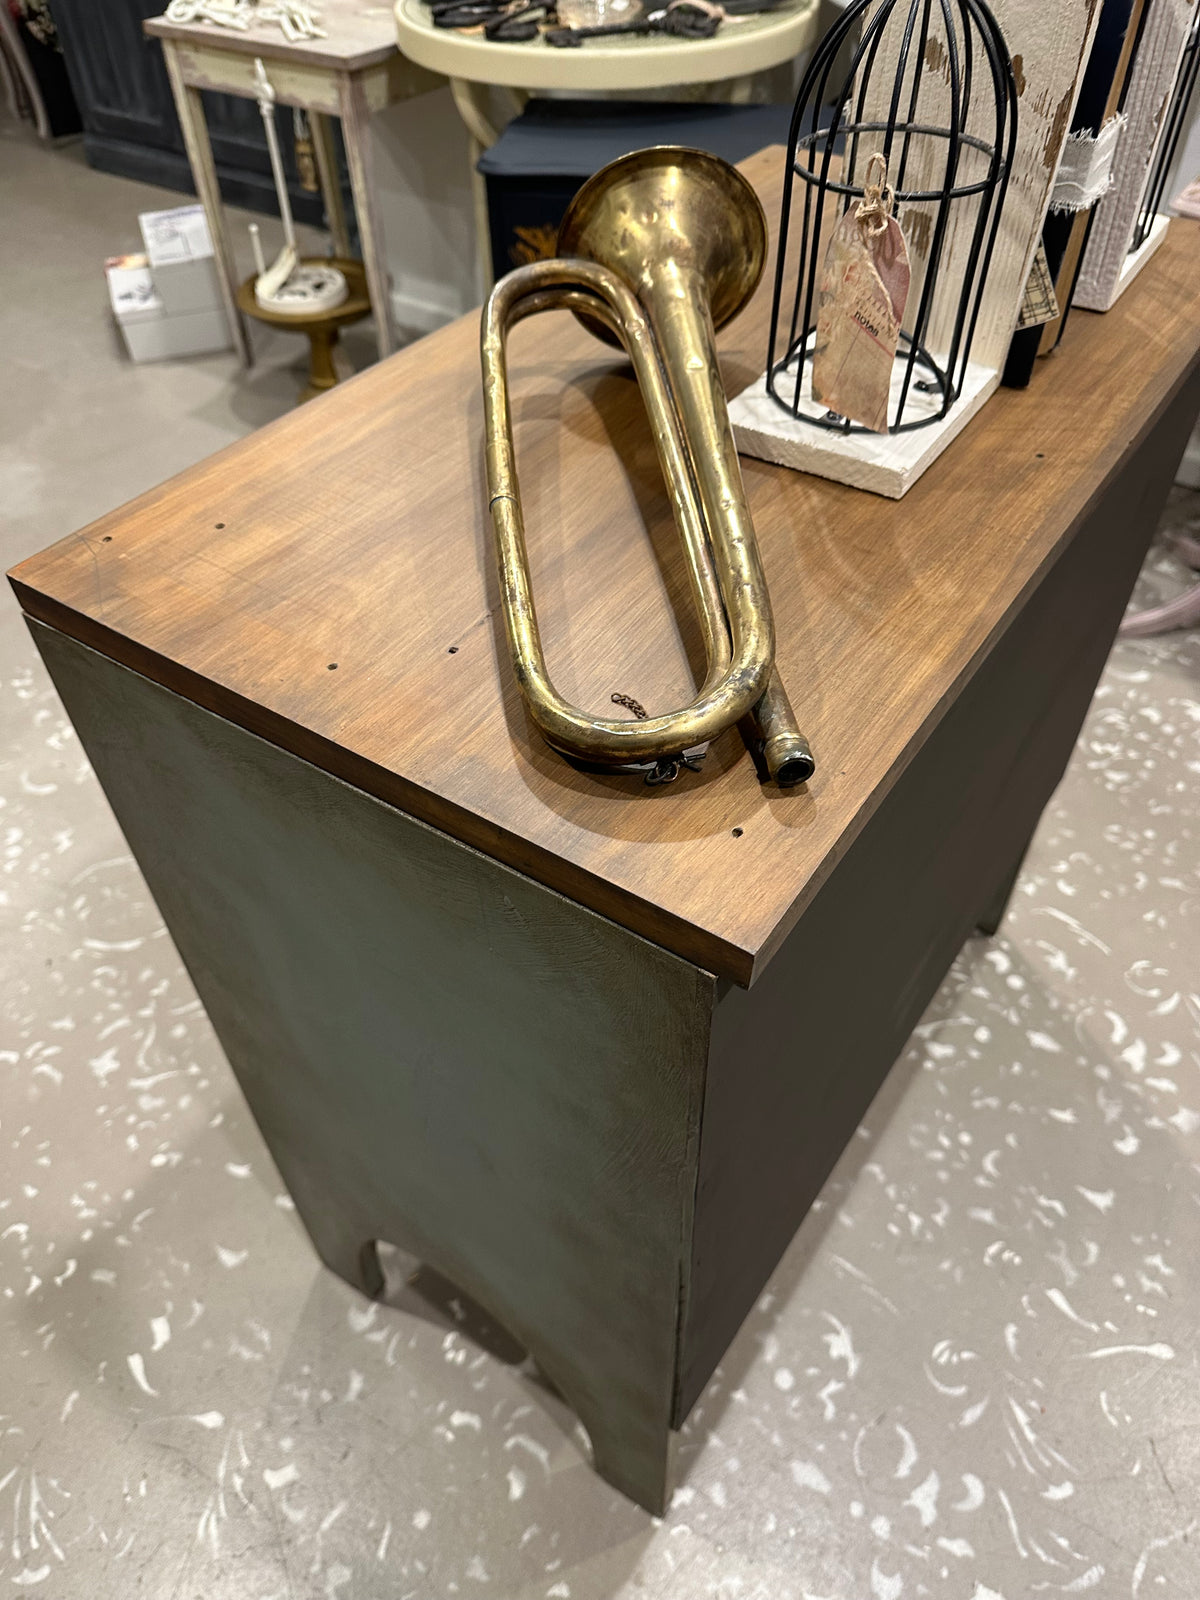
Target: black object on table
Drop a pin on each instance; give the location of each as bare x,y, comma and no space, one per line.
1065,233
542,157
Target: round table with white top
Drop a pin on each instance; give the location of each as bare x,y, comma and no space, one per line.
741,47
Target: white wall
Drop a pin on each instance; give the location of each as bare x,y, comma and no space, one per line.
423,179
422,160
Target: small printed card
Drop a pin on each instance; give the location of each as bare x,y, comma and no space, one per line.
177,235
130,285
863,292
1040,303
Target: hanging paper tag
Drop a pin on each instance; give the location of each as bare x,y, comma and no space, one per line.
863,291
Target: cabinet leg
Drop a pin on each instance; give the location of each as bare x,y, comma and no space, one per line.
618,1391
633,1445
638,1460
993,914
345,1252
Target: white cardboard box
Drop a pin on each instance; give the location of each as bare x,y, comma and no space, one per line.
178,235
180,253
131,288
151,332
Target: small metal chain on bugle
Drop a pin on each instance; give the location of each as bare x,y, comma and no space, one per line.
631,704
668,768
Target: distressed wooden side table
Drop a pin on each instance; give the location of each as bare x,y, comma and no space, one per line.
354,71
321,328
483,73
590,1049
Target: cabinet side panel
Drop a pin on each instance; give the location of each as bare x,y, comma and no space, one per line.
797,1059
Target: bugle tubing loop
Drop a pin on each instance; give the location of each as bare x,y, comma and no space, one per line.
656,250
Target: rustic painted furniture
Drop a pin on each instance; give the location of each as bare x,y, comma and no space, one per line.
590,1049
354,71
486,73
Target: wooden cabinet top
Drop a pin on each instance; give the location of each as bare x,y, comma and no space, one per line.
328,582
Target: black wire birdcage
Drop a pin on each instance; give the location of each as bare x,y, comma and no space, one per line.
1174,123
929,85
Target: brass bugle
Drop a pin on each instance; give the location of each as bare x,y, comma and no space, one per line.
657,250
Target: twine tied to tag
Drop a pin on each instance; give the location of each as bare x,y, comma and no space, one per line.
875,207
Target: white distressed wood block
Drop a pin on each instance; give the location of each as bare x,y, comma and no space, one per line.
1137,259
1049,45
1108,267
884,463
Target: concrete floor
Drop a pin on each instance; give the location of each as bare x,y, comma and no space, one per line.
83,427
974,1375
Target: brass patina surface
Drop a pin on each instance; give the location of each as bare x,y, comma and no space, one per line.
657,250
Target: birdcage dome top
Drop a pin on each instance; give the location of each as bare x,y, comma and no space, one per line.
891,73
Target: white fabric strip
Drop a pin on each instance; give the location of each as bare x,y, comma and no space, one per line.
1085,171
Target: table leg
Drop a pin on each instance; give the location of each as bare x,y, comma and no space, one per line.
14,52
190,108
469,102
331,188
356,132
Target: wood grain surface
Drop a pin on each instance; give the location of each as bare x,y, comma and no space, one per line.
328,582
357,36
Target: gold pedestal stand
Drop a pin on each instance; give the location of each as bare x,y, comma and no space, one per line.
320,326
